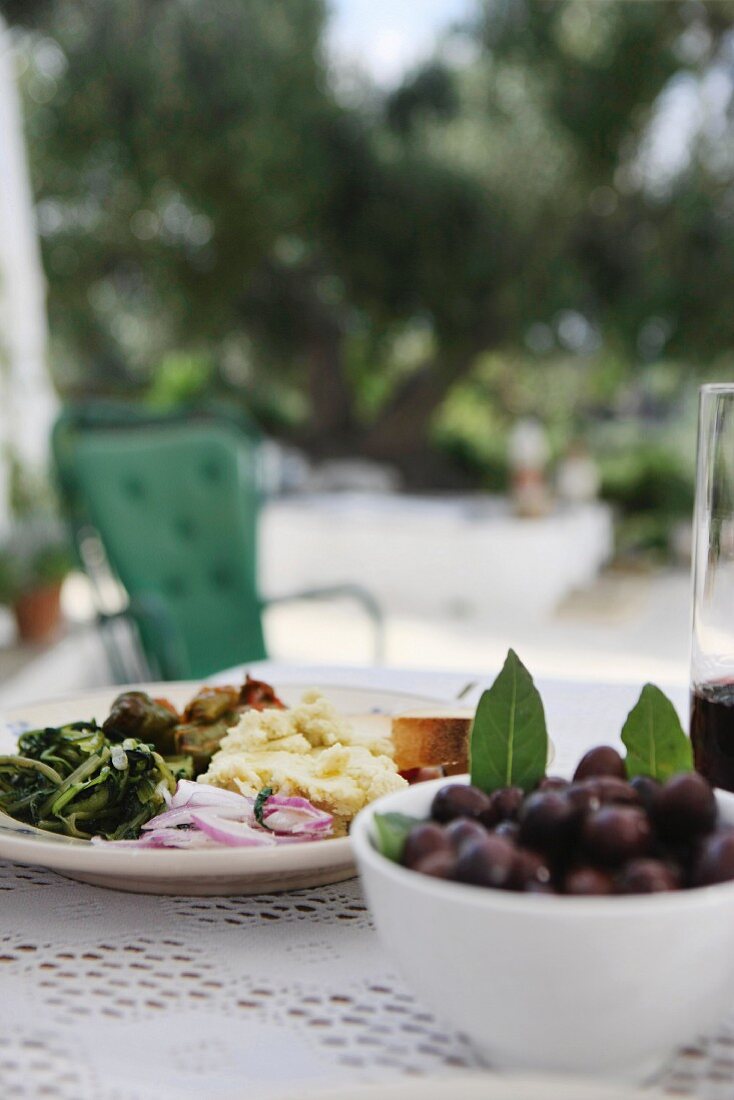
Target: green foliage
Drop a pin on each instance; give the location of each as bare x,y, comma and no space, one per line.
182,378
654,738
37,554
392,832
649,479
52,563
31,492
431,93
645,536
37,551
9,578
509,737
652,486
170,174
202,186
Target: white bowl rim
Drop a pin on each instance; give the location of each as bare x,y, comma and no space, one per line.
625,906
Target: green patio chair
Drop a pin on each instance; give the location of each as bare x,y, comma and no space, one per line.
172,500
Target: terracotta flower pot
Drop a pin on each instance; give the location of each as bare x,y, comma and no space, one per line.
38,613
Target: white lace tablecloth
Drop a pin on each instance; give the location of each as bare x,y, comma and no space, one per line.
113,996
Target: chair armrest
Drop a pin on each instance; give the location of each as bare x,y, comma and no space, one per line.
125,657
336,591
159,649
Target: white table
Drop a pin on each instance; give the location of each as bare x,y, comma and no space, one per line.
112,996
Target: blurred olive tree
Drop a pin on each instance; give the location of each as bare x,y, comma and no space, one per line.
348,263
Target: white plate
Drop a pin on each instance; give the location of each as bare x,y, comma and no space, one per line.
215,871
485,1086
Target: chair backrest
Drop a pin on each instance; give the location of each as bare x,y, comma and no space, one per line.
174,500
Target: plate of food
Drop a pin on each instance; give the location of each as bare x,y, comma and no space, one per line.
178,788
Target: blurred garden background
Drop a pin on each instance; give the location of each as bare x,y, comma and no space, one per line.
443,240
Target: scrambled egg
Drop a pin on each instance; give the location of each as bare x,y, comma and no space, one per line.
308,750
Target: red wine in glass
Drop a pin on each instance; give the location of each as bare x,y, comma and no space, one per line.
712,732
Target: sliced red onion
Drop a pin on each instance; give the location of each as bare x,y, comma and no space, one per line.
184,816
169,819
202,816
291,823
293,801
203,795
233,833
290,814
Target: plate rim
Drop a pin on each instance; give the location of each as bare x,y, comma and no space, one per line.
487,1084
7,714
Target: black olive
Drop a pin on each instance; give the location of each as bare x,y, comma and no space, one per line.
487,862
685,807
715,862
462,829
504,805
547,823
613,834
588,881
437,864
423,840
530,871
603,760
647,789
647,876
458,800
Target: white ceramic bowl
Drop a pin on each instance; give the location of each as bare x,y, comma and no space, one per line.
602,986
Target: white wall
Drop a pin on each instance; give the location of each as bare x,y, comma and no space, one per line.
27,399
443,556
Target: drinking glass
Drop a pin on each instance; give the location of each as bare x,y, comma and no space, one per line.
712,652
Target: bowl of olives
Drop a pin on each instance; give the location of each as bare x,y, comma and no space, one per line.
584,926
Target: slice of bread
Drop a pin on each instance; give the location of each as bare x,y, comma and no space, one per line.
426,738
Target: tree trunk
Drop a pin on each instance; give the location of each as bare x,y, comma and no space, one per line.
401,434
330,395
402,429
291,297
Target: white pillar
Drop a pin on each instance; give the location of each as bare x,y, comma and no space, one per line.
27,399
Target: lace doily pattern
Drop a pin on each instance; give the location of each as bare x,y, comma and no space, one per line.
112,996
102,988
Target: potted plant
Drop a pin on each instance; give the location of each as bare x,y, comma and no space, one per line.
33,565
37,606
36,555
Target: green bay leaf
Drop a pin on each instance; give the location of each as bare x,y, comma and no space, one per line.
509,739
392,832
654,738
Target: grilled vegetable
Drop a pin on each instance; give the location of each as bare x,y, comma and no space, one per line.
258,694
135,714
212,703
200,743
